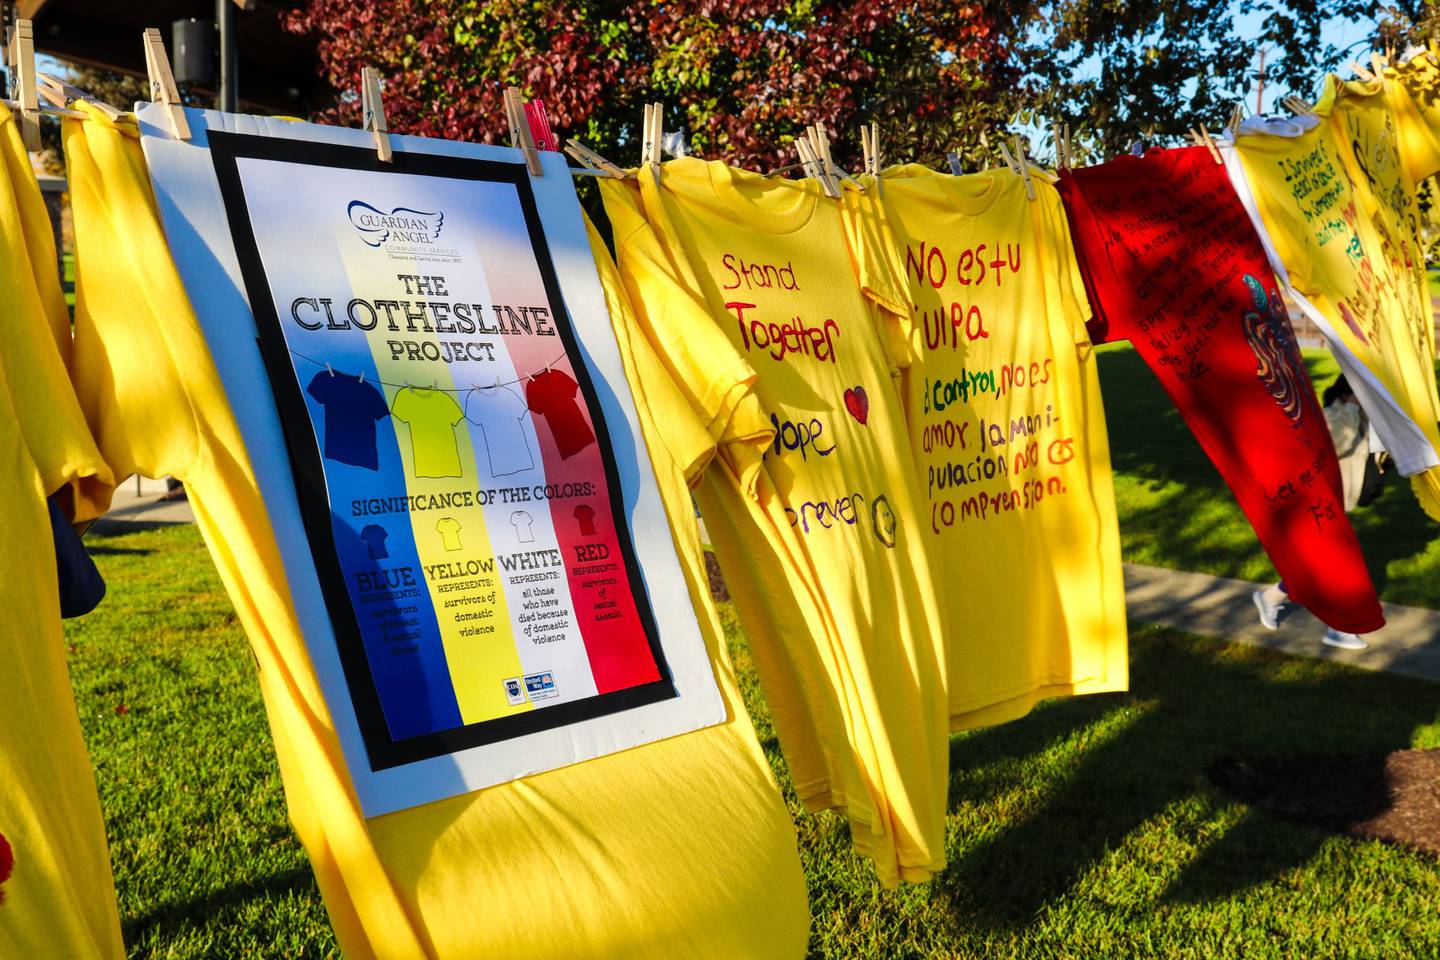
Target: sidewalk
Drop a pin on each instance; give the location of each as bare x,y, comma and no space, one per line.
1219,607
131,511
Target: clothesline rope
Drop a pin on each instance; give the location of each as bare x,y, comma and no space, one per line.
457,390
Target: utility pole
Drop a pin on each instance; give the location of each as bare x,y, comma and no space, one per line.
1260,87
229,58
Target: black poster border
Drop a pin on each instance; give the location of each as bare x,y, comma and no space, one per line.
307,465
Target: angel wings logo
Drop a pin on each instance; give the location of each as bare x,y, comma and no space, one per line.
400,225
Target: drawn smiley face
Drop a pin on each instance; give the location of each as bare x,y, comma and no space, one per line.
883,520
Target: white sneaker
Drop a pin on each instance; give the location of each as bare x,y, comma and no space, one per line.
1343,640
1269,612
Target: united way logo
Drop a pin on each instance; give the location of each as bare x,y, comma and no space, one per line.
400,225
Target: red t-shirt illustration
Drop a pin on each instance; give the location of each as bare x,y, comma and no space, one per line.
1171,263
552,395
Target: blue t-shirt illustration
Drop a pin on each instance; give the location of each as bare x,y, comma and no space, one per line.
351,409
374,536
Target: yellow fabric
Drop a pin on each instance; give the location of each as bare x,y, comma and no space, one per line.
811,511
1339,205
678,848
1413,89
60,899
995,347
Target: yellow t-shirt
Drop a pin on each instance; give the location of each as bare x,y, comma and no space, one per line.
679,848
744,287
431,416
1339,206
1413,89
59,898
1002,403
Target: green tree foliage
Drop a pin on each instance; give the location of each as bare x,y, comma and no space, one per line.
743,77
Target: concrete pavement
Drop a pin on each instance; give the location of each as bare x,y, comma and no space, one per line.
1409,643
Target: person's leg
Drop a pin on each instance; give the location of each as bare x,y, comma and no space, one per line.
1343,640
1271,604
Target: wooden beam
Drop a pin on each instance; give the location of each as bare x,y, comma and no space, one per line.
27,9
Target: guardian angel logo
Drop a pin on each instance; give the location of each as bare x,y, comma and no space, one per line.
400,225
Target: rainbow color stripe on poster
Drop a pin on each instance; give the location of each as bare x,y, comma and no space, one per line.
462,483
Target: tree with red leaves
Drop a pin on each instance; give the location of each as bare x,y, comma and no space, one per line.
742,78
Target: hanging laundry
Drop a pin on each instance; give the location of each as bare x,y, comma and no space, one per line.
654,831
1172,264
1006,429
744,288
58,896
1334,198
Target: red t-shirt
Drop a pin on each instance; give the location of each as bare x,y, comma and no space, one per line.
552,395
1171,263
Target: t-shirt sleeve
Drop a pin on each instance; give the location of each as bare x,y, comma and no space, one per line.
874,246
1413,92
703,367
136,344
376,407
400,410
1074,301
320,386
660,404
455,414
42,396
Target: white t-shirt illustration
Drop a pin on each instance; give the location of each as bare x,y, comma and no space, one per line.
502,417
522,522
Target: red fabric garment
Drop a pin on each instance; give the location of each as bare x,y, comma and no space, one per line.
552,395
1171,262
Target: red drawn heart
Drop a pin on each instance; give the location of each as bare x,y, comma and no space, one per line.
857,403
7,862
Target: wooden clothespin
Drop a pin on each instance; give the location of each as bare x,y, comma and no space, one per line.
866,150
652,130
1237,117
1024,165
590,159
162,84
372,113
1360,71
62,94
820,142
813,169
520,135
21,56
1298,106
877,158
1203,139
1059,147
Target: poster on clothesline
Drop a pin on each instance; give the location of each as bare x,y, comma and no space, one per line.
468,501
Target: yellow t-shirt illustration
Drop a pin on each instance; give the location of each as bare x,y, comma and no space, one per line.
651,832
743,287
1338,204
431,416
1002,404
55,880
449,530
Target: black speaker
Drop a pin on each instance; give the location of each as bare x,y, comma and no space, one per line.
193,50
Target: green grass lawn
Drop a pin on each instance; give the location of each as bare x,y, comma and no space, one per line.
1176,512
1087,829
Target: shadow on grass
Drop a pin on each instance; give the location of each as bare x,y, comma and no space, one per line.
1192,701
170,918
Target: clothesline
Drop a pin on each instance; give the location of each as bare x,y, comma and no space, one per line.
456,390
